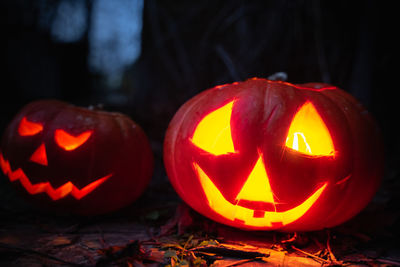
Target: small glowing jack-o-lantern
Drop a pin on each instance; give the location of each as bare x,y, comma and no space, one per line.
265,155
76,160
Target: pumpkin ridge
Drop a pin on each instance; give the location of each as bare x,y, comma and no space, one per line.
348,101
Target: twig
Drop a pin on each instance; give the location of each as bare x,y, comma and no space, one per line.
391,262
310,255
328,246
226,251
290,240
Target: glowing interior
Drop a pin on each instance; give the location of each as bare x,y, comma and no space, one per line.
234,212
308,133
70,142
54,193
213,133
39,156
257,187
29,128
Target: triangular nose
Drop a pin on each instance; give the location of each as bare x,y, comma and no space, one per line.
40,156
257,187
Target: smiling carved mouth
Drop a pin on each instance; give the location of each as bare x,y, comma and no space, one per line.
45,187
234,212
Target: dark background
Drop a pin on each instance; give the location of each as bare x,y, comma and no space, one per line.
189,46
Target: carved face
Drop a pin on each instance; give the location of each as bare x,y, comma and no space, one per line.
265,156
69,158
65,141
255,203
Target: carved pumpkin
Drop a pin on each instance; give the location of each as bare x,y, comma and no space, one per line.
266,155
76,160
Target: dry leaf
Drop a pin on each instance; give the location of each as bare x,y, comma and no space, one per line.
60,241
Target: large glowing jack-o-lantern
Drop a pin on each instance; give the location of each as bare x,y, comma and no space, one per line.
76,160
267,155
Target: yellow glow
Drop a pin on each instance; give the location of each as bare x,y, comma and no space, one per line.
308,133
257,186
273,219
213,133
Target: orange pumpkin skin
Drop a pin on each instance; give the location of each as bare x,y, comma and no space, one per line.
74,160
336,185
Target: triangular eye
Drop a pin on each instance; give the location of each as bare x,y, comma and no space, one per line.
213,133
29,128
69,142
308,133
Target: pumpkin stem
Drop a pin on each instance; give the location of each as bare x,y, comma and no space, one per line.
98,106
278,76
